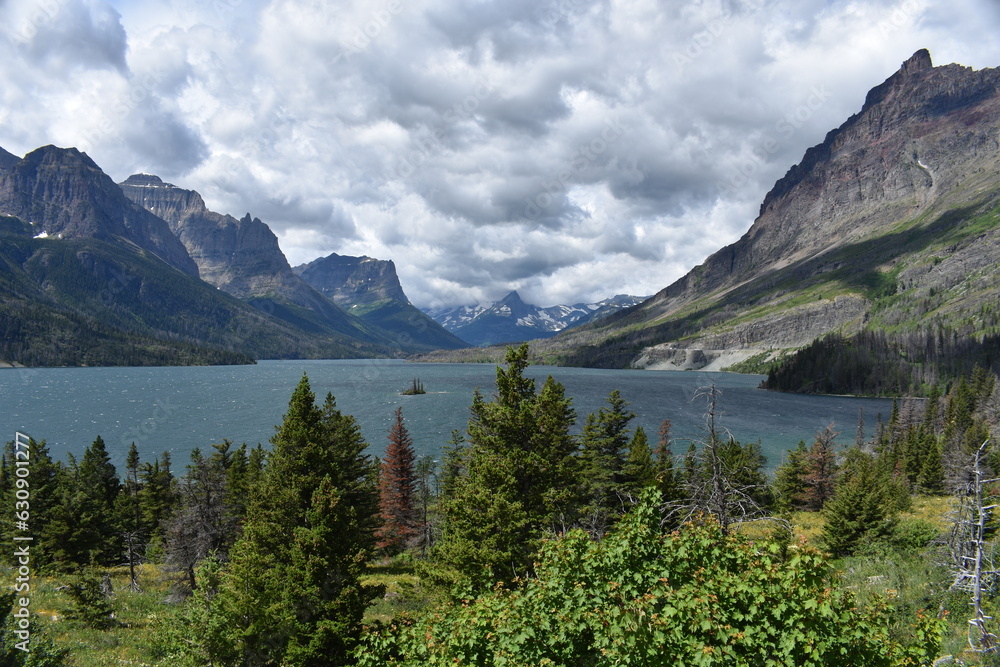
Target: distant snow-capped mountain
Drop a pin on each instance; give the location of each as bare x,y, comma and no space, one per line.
511,319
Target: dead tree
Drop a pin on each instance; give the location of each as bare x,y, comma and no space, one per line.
721,479
971,556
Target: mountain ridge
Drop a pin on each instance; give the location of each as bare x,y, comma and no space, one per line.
89,277
7,159
915,164
239,256
511,320
63,192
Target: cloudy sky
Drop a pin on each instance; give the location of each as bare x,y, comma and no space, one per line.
570,149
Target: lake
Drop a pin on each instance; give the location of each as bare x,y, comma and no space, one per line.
180,408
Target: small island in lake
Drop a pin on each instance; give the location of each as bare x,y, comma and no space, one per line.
416,388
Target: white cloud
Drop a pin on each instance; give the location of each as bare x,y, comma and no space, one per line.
571,149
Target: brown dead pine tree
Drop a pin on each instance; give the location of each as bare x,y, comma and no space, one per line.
396,485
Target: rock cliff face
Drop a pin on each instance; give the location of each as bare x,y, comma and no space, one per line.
369,288
240,257
62,192
350,281
7,160
910,182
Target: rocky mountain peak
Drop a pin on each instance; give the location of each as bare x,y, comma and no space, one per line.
353,281
905,117
920,60
63,192
146,180
7,159
512,299
241,257
164,200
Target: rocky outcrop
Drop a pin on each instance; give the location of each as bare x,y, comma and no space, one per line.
62,192
240,257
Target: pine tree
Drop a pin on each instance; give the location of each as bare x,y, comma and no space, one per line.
426,471
931,480
157,502
821,471
789,479
128,516
604,448
639,471
397,482
515,480
43,478
292,594
863,509
668,479
81,531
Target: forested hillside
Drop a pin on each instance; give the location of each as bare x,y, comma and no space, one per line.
311,552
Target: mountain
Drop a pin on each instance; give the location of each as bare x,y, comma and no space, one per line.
63,193
87,277
511,320
242,258
891,223
7,160
88,302
369,289
353,281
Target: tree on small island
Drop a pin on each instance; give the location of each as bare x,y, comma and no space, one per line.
416,388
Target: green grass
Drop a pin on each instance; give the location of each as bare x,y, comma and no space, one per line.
136,617
407,592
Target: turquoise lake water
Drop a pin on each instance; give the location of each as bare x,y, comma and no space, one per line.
179,408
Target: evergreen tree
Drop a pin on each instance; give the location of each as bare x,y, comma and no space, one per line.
455,465
789,479
518,480
931,480
90,604
604,448
397,482
82,527
640,470
43,478
426,471
129,516
239,481
292,594
863,509
668,479
157,500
